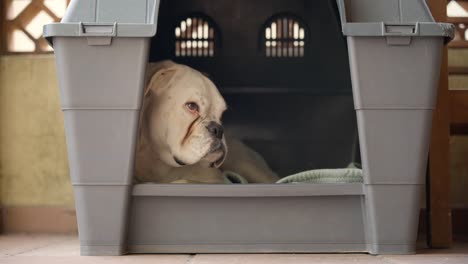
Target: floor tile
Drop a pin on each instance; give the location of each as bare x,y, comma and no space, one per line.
425,259
18,244
285,258
56,249
132,259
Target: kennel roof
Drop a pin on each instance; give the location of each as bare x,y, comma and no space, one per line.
390,18
138,18
107,18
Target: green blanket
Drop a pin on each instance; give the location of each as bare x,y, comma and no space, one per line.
351,174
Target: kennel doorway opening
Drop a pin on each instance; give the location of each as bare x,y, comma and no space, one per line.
282,67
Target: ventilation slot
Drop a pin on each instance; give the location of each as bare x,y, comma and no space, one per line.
284,36
195,37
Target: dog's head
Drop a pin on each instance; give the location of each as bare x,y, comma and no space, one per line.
182,116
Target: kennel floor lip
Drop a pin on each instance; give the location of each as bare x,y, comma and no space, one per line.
276,248
248,190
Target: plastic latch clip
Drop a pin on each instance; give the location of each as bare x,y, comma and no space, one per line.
410,29
98,34
400,34
98,30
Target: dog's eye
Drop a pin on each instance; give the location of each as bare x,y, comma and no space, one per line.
192,107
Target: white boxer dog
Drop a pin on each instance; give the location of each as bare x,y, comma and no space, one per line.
181,138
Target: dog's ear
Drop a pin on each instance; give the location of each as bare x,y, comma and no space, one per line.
152,68
159,75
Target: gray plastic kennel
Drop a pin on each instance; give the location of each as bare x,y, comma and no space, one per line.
385,67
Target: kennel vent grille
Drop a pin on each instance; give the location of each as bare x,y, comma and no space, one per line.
195,37
284,36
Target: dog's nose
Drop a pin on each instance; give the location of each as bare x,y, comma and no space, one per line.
215,129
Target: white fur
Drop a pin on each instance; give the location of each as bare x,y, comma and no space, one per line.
164,125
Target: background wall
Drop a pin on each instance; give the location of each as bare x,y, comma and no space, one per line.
458,58
459,143
33,157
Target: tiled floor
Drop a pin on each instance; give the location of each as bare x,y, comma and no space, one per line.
51,249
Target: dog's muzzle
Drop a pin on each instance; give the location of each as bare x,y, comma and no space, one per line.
215,129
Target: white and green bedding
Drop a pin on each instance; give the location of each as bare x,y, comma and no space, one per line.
350,174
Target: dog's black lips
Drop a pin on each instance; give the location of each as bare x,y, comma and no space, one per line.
178,161
218,162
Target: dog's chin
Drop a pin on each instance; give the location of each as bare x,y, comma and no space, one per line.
179,162
208,160
213,159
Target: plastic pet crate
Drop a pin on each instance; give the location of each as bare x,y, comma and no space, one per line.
393,50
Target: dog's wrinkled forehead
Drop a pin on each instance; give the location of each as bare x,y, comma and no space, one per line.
168,79
218,103
198,87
